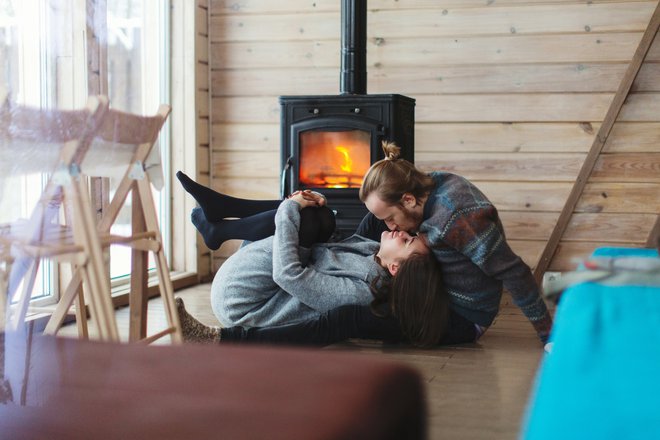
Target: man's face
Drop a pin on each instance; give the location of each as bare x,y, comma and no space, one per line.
406,216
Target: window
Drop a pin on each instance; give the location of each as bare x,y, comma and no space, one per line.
43,62
138,81
37,58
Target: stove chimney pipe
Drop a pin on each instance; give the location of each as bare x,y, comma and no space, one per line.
353,79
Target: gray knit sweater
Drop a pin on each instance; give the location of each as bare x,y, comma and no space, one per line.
274,281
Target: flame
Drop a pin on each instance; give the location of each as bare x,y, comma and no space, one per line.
348,162
334,159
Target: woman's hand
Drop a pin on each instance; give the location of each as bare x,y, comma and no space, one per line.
308,198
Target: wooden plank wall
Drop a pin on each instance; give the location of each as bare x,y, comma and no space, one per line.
510,94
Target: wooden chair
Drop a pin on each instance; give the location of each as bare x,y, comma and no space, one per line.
61,226
124,142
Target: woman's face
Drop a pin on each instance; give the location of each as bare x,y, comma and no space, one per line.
397,246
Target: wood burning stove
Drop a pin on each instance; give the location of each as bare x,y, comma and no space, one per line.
329,142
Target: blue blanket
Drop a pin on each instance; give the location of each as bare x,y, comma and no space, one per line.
602,378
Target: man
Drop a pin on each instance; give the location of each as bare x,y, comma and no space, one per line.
464,231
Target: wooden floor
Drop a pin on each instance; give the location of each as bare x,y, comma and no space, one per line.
475,391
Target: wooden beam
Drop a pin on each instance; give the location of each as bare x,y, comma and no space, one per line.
654,236
599,142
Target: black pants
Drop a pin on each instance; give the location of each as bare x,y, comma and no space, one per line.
345,322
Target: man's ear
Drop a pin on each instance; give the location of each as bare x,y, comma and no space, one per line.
393,268
408,200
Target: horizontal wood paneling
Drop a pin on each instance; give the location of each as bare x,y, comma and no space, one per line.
528,250
220,7
533,107
519,19
641,107
640,167
531,196
505,137
555,167
246,137
509,93
618,227
622,198
631,137
245,164
575,107
260,188
615,228
632,198
512,78
629,167
528,225
512,49
440,22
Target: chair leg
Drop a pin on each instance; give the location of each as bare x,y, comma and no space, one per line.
164,280
64,304
99,318
81,315
97,283
167,295
101,305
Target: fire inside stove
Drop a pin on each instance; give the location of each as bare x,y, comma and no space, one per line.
334,159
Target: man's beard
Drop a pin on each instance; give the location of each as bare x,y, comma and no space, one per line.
414,219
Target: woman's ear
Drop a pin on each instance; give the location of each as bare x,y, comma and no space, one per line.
393,268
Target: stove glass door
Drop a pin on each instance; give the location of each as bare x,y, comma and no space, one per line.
334,158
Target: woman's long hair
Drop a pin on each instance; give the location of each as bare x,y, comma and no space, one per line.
416,296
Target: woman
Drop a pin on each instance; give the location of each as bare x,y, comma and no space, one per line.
414,309
277,281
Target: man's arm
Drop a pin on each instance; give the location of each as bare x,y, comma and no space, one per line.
478,234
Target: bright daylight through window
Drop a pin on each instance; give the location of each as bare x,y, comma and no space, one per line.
43,63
